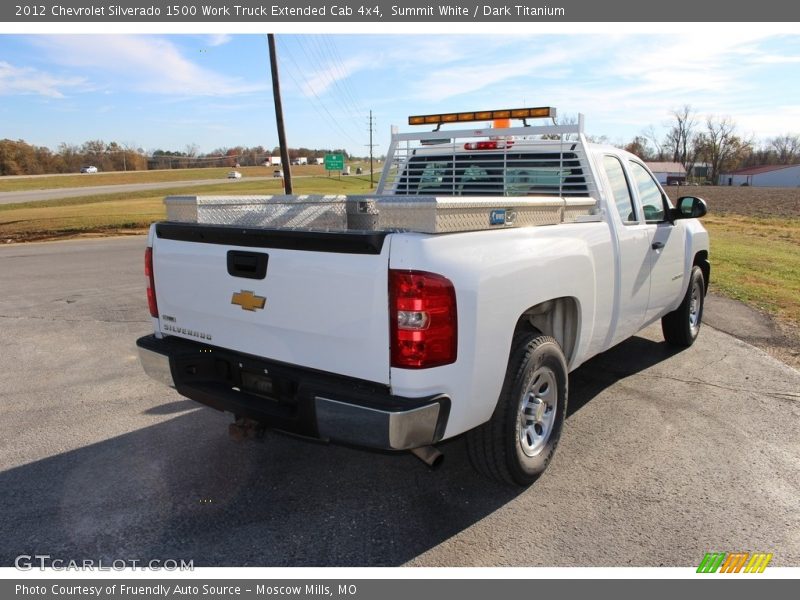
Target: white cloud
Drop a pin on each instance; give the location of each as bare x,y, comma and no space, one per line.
770,123
477,68
318,81
219,39
26,80
144,63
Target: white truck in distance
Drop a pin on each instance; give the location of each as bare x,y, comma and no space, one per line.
455,300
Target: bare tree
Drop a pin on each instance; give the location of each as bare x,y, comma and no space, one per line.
787,147
640,147
650,135
681,136
719,145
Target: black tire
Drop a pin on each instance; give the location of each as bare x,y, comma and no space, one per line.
682,326
511,450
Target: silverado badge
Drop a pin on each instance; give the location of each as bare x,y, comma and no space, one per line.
248,300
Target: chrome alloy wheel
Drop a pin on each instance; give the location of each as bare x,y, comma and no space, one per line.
695,307
537,411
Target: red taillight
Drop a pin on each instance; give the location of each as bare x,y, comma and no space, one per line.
423,321
493,145
151,283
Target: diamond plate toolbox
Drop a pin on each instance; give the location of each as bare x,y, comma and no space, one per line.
285,212
432,214
424,214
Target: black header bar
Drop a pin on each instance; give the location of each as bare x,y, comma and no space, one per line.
395,11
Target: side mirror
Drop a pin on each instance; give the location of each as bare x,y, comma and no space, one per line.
690,207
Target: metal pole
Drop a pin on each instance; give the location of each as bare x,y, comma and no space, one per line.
371,181
276,93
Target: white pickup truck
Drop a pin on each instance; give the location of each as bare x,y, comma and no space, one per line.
455,300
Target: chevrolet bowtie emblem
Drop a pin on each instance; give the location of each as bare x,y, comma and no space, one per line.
248,300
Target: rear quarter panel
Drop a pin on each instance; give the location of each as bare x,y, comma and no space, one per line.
498,275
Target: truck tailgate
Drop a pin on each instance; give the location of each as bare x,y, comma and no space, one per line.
321,303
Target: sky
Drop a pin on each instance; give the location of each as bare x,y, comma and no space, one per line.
172,91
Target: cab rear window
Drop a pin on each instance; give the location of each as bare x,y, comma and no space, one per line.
494,174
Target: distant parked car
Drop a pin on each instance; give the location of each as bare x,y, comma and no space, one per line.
88,169
277,173
234,175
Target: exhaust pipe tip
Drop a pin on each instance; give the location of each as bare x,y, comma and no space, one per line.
429,455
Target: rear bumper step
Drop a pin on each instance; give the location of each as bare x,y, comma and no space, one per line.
295,399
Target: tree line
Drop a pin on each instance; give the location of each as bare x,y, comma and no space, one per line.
17,157
713,142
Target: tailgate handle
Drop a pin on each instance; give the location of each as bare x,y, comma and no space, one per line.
250,265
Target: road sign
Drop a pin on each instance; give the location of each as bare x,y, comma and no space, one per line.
334,162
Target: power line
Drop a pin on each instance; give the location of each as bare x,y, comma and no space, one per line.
311,89
344,79
332,75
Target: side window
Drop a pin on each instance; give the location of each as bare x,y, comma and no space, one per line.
620,189
649,193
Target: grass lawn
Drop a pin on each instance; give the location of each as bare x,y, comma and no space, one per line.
757,261
15,184
755,245
134,211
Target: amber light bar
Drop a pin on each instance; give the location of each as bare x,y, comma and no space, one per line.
484,115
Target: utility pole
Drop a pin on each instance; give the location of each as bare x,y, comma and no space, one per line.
371,145
276,93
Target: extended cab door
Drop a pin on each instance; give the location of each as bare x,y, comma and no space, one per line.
667,243
633,261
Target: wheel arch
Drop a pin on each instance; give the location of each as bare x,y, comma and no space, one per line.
701,260
559,318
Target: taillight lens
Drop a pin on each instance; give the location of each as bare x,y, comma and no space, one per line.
151,283
492,145
423,320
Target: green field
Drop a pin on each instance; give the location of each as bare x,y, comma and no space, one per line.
110,214
19,184
755,246
757,261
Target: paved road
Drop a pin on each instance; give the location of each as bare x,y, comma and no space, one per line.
665,455
53,194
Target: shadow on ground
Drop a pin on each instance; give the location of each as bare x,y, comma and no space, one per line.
182,489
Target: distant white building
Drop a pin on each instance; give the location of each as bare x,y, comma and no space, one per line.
319,161
274,160
668,173
764,176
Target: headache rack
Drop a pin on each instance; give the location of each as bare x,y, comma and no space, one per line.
437,182
542,160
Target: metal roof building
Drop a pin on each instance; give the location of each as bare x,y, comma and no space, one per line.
764,176
668,173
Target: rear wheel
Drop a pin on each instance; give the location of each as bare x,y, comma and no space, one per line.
518,442
682,326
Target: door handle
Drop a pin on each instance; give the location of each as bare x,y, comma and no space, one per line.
250,265
657,245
